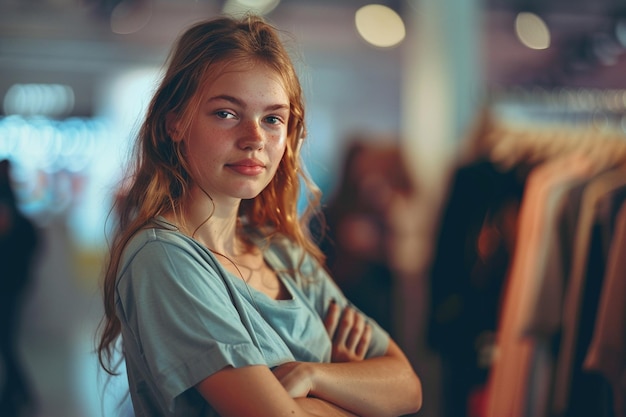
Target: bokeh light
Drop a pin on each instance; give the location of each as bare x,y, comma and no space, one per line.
379,25
532,31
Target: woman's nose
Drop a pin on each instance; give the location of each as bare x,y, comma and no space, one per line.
253,136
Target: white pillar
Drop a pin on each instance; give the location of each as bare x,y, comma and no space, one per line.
442,95
443,85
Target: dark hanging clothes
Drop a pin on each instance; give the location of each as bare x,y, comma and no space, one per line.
591,393
474,247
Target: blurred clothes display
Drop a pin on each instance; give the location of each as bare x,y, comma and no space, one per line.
18,244
368,233
554,315
472,256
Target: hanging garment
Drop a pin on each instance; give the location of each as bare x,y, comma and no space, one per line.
607,350
469,269
581,299
520,359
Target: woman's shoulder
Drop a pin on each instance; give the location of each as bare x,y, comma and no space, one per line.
156,239
156,230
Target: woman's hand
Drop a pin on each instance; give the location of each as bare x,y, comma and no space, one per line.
295,377
349,332
351,337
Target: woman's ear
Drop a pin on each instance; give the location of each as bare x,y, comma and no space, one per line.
172,126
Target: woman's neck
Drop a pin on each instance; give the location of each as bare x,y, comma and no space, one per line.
214,224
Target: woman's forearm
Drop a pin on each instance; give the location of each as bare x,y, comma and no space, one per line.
384,386
322,408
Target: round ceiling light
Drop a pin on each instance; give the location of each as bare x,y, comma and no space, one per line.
380,25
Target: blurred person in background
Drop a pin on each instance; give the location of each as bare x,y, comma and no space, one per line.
370,231
219,295
18,247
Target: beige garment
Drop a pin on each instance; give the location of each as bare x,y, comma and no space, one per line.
607,350
508,379
592,194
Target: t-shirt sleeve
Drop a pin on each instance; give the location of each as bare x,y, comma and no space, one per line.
180,318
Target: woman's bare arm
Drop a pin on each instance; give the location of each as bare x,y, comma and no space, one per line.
319,407
382,386
255,391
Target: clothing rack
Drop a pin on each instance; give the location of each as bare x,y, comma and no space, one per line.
508,143
532,308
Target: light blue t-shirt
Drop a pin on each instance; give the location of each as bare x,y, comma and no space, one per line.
184,317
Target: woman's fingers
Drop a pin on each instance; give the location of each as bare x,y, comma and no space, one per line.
364,342
355,331
349,332
345,326
332,319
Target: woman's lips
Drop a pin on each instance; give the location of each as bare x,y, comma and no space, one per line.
247,166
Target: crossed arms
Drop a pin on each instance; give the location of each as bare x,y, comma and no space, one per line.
348,386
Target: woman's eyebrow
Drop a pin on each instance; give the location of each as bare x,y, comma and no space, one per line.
241,103
228,98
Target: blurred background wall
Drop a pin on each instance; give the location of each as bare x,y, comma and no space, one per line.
75,77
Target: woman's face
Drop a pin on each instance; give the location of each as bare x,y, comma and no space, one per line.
238,136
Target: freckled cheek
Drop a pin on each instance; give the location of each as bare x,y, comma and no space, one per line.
276,140
276,153
200,154
281,147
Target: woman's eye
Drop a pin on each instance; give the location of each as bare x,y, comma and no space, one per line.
223,114
273,119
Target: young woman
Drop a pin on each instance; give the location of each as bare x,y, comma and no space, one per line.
221,300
